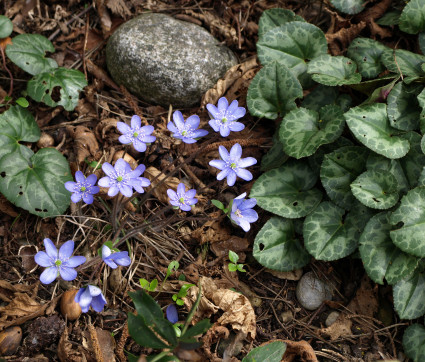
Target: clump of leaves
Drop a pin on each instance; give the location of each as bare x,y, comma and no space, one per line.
343,177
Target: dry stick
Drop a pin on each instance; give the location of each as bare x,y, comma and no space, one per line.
8,71
86,35
243,142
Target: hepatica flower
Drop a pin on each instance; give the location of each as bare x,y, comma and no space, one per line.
121,178
224,117
232,165
182,199
113,259
90,296
136,134
242,213
186,130
83,188
58,262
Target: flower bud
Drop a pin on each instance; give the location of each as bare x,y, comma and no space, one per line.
10,339
69,307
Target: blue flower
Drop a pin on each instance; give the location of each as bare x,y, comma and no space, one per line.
172,314
115,259
90,296
232,165
242,213
182,199
82,189
58,262
121,178
186,131
136,134
224,116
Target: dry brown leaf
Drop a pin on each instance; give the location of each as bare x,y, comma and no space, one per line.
85,143
105,19
65,351
339,41
118,7
374,12
21,305
160,192
365,301
292,275
104,126
6,207
107,343
234,243
300,351
340,328
100,74
212,231
8,290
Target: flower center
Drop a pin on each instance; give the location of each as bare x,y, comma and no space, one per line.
224,120
58,262
238,213
119,178
135,134
83,188
181,200
233,165
184,133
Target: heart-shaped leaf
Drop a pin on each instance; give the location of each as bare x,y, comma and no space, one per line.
367,55
320,96
409,236
376,189
303,131
292,44
409,295
270,352
369,124
329,234
414,342
349,6
28,52
414,161
412,18
338,171
380,257
276,246
403,106
288,191
142,334
334,71
408,63
59,87
273,18
275,157
6,27
273,91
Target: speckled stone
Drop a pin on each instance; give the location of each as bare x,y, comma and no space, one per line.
311,291
166,61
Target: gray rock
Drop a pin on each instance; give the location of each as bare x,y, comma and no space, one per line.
166,61
311,292
332,317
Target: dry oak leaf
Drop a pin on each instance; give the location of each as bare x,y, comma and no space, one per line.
340,328
8,290
300,351
160,191
85,143
234,243
21,305
212,231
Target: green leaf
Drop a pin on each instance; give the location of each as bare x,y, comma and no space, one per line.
338,171
292,44
288,190
233,257
303,131
276,246
183,290
173,266
275,17
271,352
334,70
21,101
232,267
414,342
414,161
275,157
408,63
320,96
329,234
409,236
409,295
367,55
218,204
142,334
273,91
376,189
64,85
370,125
421,41
199,328
389,18
6,26
28,51
403,107
412,18
349,6
380,257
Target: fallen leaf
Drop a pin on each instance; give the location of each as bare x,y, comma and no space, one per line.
212,231
65,351
118,7
21,305
85,143
160,191
292,275
299,351
340,328
233,243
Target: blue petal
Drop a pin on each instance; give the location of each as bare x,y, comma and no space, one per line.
78,295
42,259
139,146
105,181
223,153
110,263
70,186
224,131
67,273
172,314
178,120
221,165
75,261
88,198
244,174
185,207
223,174
191,194
123,127
181,189
79,177
49,275
245,225
85,298
51,250
214,125
236,126
248,204
121,166
171,127
136,122
98,303
246,162
106,251
193,122
66,250
125,139
94,291
91,179
127,191
113,191
214,112
172,194
235,152
222,104
231,178
109,170
76,197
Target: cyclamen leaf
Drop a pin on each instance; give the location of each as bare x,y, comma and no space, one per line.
6,26
408,63
276,246
303,131
349,6
142,334
412,18
288,191
409,295
320,96
273,91
46,86
380,257
270,352
414,342
275,17
421,41
367,55
275,157
370,125
339,169
409,237
28,52
390,18
414,161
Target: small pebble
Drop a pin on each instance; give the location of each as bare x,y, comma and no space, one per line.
311,291
332,317
287,316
